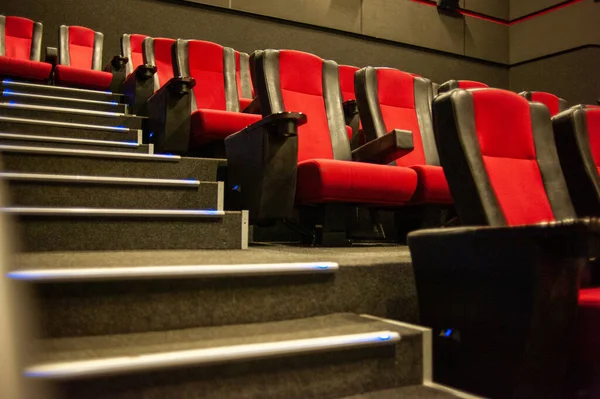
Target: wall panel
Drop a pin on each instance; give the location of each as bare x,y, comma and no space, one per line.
560,30
486,40
494,8
573,76
413,23
519,8
337,14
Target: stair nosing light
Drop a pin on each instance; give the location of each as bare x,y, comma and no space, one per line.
65,110
65,124
173,271
17,176
207,356
11,82
69,140
91,153
67,99
110,212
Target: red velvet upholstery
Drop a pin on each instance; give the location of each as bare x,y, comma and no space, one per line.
136,59
549,100
81,47
18,33
244,102
16,61
471,84
508,150
25,69
347,81
84,78
432,186
211,125
326,180
163,60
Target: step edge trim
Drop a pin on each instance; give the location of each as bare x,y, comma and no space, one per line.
91,153
109,212
12,82
69,140
207,356
9,93
41,177
86,126
172,271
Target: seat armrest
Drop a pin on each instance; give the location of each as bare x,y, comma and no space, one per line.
281,123
179,85
396,143
350,108
253,107
51,56
144,71
116,64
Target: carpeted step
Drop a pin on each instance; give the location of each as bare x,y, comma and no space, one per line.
18,139
97,229
8,96
51,190
86,293
415,392
329,356
62,91
106,163
66,129
70,115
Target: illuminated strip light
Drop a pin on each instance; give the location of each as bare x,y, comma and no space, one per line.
109,212
207,356
173,271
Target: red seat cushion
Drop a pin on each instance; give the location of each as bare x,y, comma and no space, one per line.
432,186
211,124
325,180
83,78
551,101
244,102
471,84
25,69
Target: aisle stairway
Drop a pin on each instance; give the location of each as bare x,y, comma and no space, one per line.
119,246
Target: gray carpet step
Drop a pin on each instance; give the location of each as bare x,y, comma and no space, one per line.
72,143
86,293
414,392
320,357
70,115
7,96
61,91
97,229
65,129
107,163
47,190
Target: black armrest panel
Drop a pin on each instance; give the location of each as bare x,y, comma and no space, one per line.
52,56
179,85
253,107
350,108
144,71
117,63
392,145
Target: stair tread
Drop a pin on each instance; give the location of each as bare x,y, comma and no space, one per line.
353,256
411,391
67,110
136,344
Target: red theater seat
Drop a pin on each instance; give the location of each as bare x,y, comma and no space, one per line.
501,293
554,103
157,52
389,100
577,136
460,84
200,105
80,59
21,48
131,47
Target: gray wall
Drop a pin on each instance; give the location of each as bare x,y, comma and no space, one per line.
247,32
574,76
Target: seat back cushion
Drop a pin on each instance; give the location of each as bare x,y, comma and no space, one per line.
18,35
131,47
81,47
548,99
396,94
347,81
205,62
301,84
163,60
504,130
471,84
